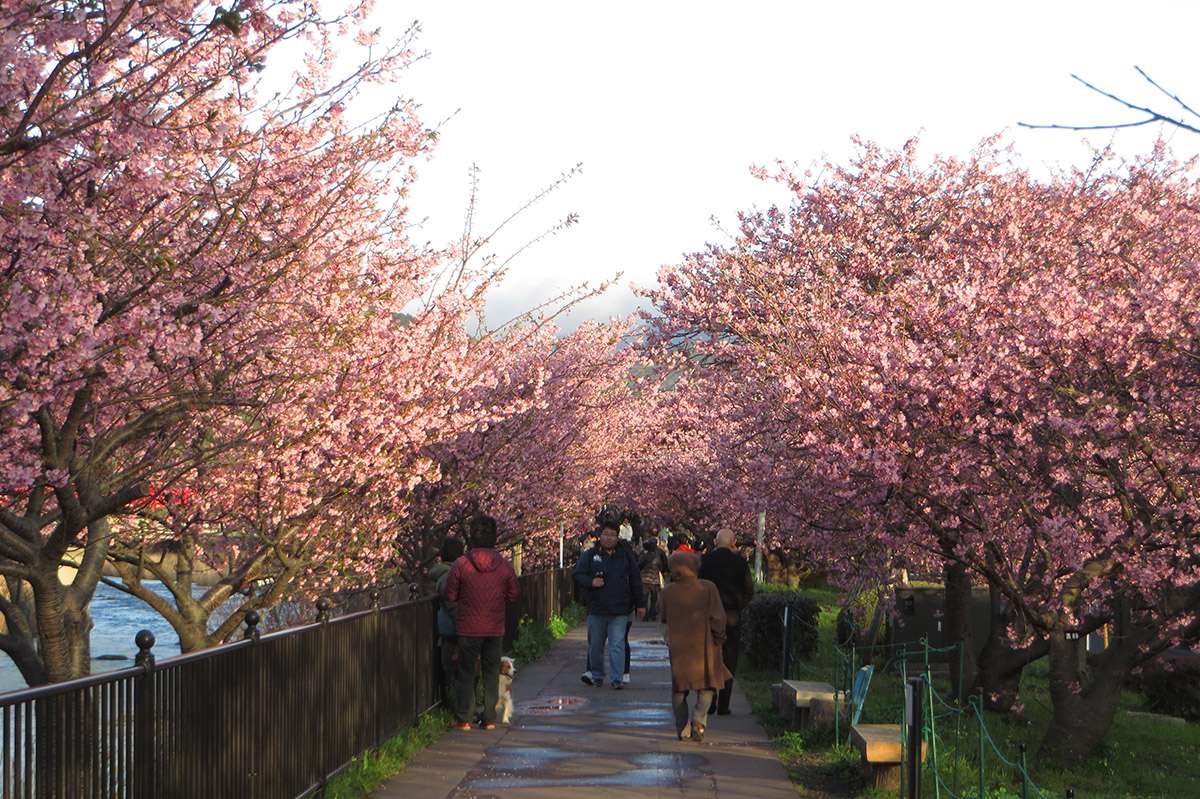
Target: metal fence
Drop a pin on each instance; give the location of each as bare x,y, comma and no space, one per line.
269,717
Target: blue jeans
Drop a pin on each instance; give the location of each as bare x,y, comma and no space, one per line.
611,628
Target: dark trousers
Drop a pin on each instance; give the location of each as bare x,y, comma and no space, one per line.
484,650
729,654
652,590
448,659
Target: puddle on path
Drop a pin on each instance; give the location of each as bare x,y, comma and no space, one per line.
649,652
550,705
651,770
557,729
522,758
638,713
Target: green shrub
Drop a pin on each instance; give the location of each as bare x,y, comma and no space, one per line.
531,642
1172,686
534,640
762,627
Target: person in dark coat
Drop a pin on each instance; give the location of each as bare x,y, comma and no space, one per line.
610,572
695,624
653,565
480,584
725,567
452,550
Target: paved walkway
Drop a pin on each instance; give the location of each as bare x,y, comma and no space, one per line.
570,740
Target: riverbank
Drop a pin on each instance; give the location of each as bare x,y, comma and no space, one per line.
117,618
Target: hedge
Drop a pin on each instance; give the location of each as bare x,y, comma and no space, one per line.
762,627
1172,686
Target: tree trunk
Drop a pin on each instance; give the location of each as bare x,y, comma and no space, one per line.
18,626
1083,709
45,634
1000,663
999,675
64,627
79,624
958,627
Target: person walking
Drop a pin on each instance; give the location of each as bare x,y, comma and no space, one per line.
452,550
653,565
607,516
695,627
480,584
610,571
725,567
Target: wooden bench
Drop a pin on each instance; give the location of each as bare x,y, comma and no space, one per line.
881,750
793,698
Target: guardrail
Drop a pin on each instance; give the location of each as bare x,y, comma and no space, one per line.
273,716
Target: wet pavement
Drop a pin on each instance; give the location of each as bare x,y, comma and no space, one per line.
568,739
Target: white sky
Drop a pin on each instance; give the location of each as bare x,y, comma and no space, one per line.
667,104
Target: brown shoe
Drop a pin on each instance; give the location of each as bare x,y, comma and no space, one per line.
698,733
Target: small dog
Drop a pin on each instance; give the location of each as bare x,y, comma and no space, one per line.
504,705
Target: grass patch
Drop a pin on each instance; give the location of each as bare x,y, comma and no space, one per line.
1141,758
818,767
372,769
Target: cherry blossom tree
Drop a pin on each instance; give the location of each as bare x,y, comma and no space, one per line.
561,407
196,269
974,369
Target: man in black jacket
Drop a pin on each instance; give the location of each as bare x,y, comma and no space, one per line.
725,567
610,571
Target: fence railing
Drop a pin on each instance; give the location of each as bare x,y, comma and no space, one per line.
273,716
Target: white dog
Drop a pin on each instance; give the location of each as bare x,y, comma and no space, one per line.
504,705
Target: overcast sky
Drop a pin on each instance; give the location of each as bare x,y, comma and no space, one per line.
668,104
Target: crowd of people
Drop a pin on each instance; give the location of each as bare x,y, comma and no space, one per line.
695,587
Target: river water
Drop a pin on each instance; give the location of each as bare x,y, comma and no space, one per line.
117,618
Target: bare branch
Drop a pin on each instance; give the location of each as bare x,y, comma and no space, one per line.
1152,116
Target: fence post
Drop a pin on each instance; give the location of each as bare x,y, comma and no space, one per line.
144,786
958,719
787,641
377,635
914,707
562,534
257,714
413,591
978,703
933,743
1024,772
323,608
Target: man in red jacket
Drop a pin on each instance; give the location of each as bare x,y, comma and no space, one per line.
481,582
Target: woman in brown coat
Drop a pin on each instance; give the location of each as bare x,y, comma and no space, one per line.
691,609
